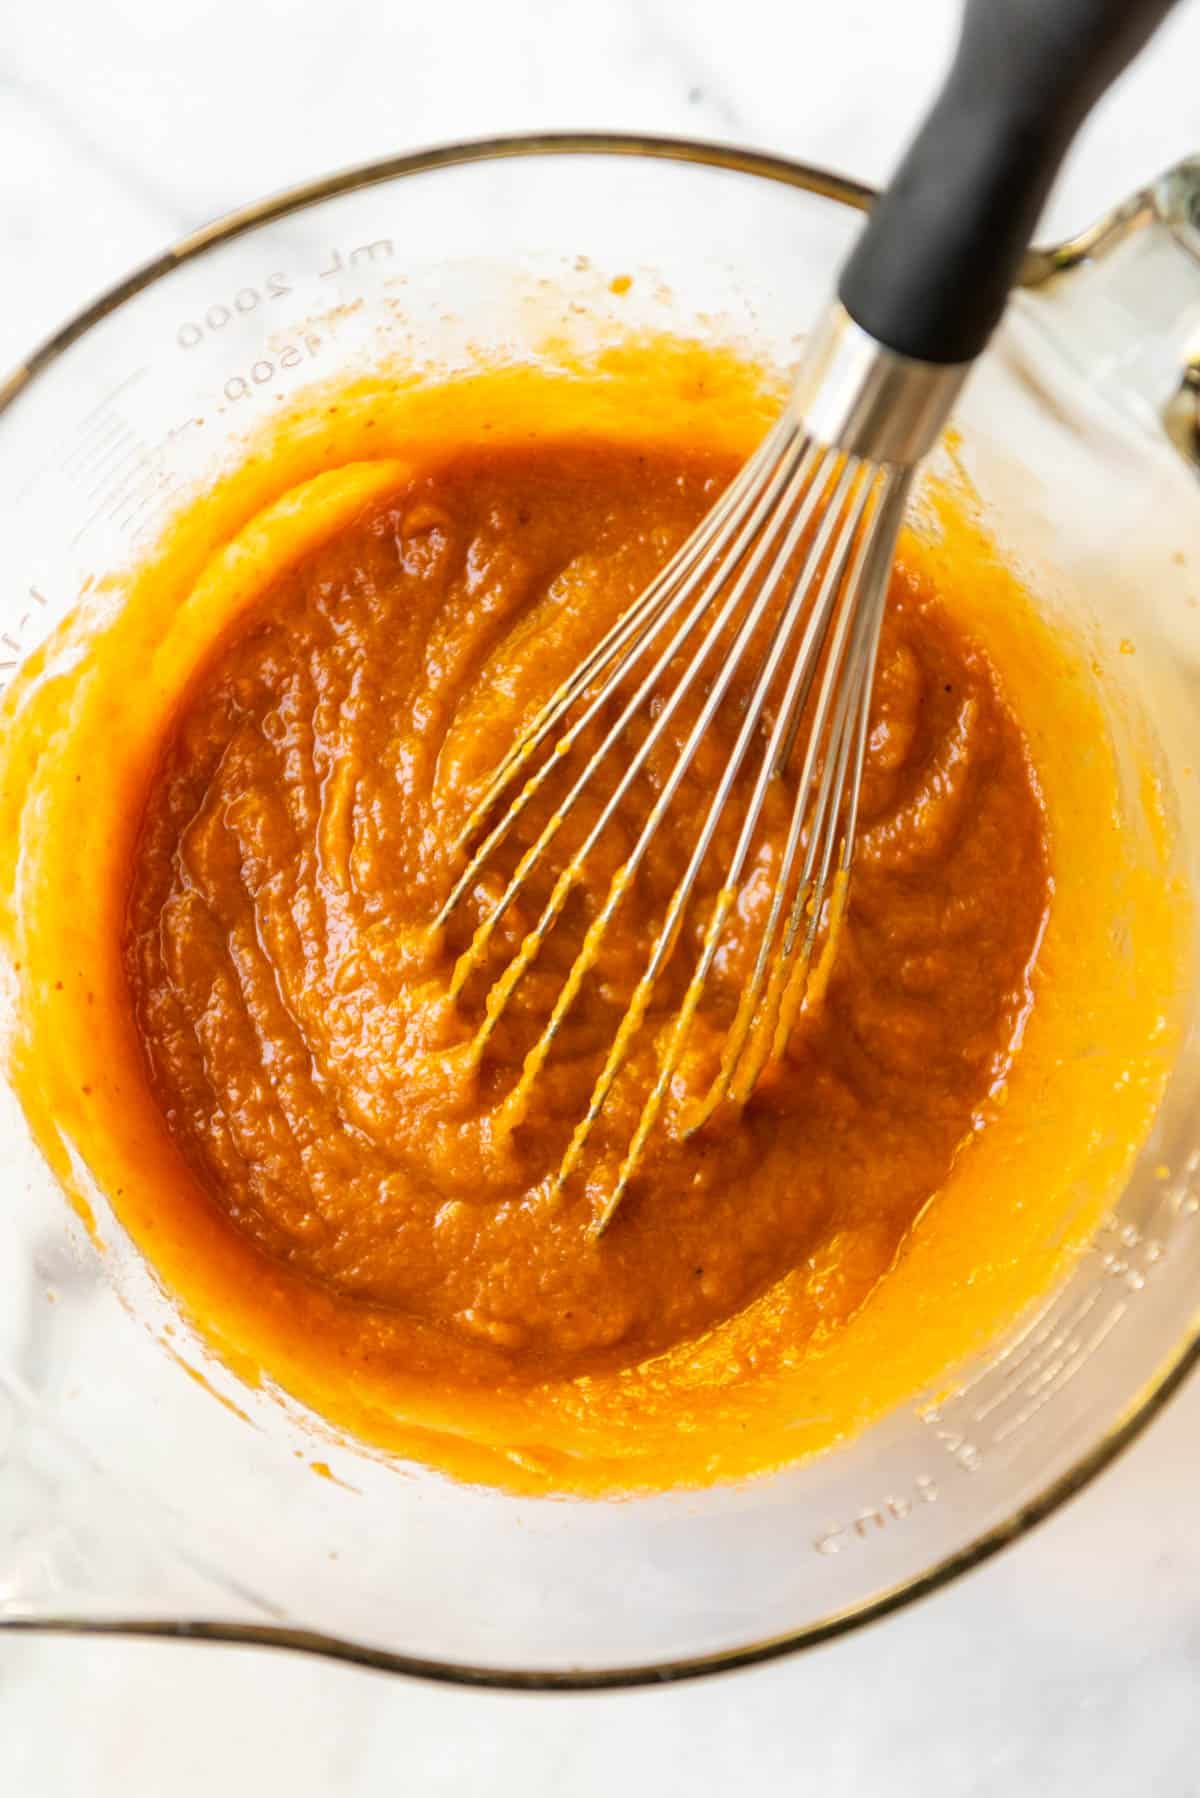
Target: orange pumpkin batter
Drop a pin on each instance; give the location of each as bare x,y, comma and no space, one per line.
239,1035
300,830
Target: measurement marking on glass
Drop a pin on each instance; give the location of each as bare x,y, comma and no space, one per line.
1019,1347
131,483
132,458
221,313
112,394
1032,1340
125,519
81,436
136,502
116,447
1022,1417
965,1454
190,333
1186,1199
1046,1374
82,425
1051,1354
1055,1332
93,448
872,1518
264,370
115,494
382,249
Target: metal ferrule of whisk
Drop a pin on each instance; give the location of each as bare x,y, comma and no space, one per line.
783,584
854,394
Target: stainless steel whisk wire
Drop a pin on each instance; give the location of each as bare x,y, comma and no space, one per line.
729,574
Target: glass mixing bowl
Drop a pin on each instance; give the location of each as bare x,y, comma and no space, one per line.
130,1499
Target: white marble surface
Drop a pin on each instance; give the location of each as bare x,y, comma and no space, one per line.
1070,1664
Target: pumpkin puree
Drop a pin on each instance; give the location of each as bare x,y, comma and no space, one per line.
266,750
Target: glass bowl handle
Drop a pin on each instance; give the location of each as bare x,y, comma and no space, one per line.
1121,304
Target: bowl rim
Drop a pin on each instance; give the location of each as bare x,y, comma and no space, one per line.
699,152
843,190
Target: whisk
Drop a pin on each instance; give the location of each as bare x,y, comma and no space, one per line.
792,566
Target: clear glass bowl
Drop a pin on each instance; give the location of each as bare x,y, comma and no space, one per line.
130,1500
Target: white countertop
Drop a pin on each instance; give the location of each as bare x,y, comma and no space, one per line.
1070,1664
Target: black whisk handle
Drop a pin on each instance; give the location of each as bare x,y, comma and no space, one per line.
931,272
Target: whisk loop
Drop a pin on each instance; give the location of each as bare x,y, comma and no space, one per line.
798,547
